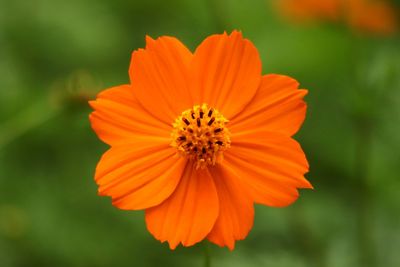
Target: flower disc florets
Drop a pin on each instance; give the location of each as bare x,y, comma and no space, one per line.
201,135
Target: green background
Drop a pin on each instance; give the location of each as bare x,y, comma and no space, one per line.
55,55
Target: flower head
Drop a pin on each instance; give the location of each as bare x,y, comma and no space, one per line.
311,9
198,138
375,17
363,16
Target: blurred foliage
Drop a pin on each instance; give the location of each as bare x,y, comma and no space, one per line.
57,54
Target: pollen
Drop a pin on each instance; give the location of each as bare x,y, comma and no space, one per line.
200,134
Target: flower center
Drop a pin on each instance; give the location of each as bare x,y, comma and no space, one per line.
200,134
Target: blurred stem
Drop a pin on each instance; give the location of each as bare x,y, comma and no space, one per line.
362,161
206,253
26,120
363,146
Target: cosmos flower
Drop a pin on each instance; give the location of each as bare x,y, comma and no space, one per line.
375,17
198,138
310,9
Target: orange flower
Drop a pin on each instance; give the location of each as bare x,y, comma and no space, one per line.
310,9
368,16
197,139
376,17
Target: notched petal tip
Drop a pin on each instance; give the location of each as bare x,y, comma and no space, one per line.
149,40
231,246
306,184
136,52
91,102
236,33
303,91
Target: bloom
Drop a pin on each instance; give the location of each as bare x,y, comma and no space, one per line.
198,138
310,9
374,17
364,16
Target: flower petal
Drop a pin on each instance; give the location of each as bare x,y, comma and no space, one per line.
118,117
226,72
139,174
271,165
236,214
189,214
159,76
278,106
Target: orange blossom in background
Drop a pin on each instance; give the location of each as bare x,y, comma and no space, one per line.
378,17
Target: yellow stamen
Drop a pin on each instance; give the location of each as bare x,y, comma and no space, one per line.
200,134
